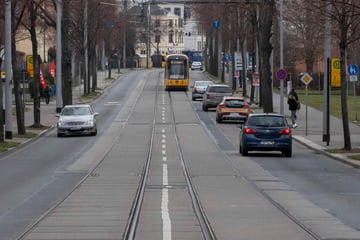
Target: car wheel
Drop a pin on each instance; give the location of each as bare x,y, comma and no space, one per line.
193,98
288,152
60,134
94,133
240,150
205,108
244,151
218,119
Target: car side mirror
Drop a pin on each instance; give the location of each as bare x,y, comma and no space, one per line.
57,115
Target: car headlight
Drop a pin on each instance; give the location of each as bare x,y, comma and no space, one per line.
90,123
61,123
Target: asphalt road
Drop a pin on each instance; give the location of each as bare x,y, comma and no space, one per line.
35,178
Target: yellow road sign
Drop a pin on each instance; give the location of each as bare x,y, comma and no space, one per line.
335,72
30,65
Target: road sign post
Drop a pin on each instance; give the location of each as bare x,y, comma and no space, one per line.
281,74
306,79
353,70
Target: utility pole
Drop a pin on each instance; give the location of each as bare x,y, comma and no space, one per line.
148,36
281,57
59,103
8,69
86,57
124,35
327,56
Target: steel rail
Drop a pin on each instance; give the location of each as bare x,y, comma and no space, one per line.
130,230
204,223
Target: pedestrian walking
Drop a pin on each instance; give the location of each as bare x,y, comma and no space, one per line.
293,106
47,91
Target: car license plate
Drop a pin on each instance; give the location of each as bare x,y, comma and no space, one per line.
234,114
267,142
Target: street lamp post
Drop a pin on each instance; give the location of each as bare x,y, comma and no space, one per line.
8,58
281,57
58,57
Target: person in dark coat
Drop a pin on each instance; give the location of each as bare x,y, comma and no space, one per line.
47,91
293,106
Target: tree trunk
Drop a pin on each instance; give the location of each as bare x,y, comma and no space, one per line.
66,57
16,80
265,24
344,108
94,70
2,112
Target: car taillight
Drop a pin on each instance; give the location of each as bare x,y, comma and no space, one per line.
222,104
248,130
285,131
195,89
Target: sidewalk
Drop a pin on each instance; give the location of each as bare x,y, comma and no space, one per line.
47,112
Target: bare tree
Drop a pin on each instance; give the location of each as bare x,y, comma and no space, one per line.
345,18
304,33
266,14
31,25
17,11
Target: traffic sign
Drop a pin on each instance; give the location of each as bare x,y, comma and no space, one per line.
306,78
353,69
238,61
335,72
353,78
281,74
256,79
216,24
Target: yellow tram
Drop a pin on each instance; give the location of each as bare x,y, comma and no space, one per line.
176,75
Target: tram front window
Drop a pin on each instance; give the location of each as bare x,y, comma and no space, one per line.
176,71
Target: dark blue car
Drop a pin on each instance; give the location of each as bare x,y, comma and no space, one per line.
265,132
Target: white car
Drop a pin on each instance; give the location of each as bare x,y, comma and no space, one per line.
198,89
77,119
196,66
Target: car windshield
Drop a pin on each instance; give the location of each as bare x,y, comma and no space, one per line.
220,89
76,111
234,102
202,83
267,121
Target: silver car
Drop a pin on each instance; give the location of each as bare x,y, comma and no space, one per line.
198,89
214,94
196,66
77,119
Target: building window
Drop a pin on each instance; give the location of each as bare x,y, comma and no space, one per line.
171,37
171,23
143,52
187,13
157,23
143,38
177,11
181,23
181,37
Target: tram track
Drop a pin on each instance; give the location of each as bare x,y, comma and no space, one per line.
130,233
